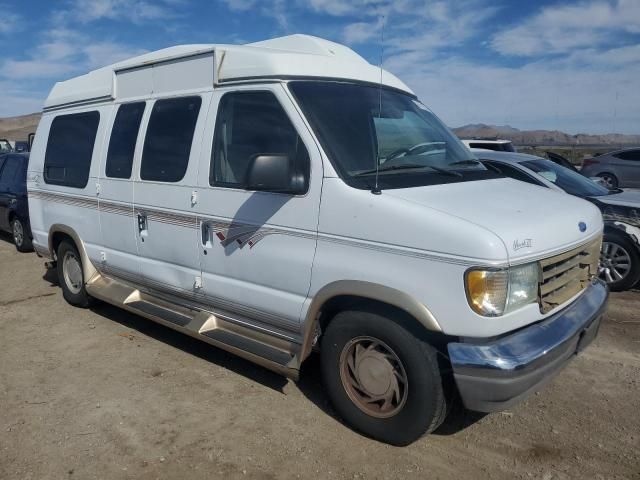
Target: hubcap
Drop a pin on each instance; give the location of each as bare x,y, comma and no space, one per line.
615,262
373,376
72,272
18,232
608,181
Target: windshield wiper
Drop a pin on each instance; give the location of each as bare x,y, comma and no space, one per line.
407,166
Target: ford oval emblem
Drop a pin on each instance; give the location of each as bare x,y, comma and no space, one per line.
582,226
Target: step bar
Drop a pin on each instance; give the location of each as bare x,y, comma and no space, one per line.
217,329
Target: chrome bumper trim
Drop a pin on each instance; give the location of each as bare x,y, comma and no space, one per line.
495,374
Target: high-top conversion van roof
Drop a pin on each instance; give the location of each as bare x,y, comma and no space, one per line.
191,67
285,197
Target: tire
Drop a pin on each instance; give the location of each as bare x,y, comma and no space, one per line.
417,408
619,254
20,235
610,180
70,275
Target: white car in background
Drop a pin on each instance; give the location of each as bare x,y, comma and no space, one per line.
620,257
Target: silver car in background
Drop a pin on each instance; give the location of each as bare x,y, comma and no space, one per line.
620,168
620,256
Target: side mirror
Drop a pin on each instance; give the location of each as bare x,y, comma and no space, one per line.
274,173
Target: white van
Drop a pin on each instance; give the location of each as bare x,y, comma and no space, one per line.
286,196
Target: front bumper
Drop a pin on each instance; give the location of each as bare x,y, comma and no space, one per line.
495,375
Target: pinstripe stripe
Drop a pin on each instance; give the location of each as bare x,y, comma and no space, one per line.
228,231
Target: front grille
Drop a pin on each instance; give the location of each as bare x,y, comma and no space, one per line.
565,275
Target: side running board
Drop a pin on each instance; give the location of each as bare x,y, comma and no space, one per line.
275,353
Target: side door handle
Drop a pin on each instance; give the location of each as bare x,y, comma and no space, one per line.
206,234
142,222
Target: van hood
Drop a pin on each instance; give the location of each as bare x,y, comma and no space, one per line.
531,221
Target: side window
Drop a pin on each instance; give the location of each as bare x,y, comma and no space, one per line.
512,172
250,124
629,155
67,160
123,140
10,173
167,145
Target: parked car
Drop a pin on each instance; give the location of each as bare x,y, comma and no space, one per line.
617,169
496,145
14,209
620,256
285,196
5,146
22,146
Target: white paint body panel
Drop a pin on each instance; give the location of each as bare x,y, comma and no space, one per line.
419,241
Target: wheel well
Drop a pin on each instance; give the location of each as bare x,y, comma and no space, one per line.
341,303
612,229
57,238
606,172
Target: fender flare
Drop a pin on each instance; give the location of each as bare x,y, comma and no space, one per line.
368,290
88,270
631,231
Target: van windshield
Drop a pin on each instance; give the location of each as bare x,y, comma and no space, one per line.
360,125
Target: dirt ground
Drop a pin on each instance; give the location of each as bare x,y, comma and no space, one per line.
105,394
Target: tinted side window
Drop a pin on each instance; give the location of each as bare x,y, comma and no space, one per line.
512,172
496,147
251,124
11,172
67,160
167,145
629,155
123,140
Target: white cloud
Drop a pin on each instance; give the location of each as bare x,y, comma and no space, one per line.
240,5
333,7
563,28
551,94
15,100
134,11
10,22
64,53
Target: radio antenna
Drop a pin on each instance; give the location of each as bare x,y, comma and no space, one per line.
376,189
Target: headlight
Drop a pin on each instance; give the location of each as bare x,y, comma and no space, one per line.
494,292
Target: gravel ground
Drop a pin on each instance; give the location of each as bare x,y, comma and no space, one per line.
105,394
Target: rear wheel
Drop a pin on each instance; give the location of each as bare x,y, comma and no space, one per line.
20,236
619,261
381,379
610,180
70,275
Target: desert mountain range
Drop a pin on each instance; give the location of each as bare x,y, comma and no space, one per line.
17,128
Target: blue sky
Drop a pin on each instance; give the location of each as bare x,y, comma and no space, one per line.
571,65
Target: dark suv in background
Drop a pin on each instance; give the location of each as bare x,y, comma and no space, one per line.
14,210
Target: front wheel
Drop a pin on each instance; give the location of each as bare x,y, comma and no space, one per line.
619,261
70,275
381,379
610,181
20,236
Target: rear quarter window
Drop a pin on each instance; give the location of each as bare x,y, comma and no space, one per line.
629,155
70,146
